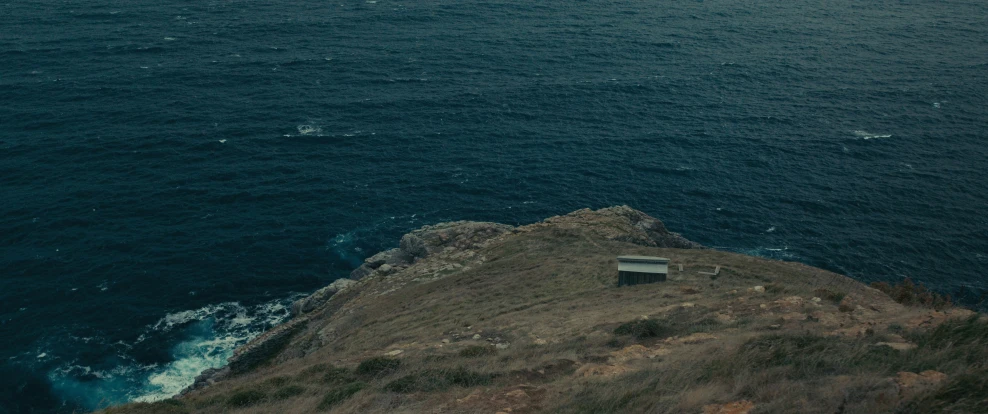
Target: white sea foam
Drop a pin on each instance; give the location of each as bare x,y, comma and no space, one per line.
869,135
306,129
221,329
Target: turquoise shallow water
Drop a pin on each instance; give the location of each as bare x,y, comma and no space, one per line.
171,173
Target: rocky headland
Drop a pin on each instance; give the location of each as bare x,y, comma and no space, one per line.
474,317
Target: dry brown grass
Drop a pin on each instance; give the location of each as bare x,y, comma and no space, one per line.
549,297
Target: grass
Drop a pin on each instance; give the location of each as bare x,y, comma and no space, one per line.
965,393
334,375
475,351
643,329
340,394
246,398
378,366
429,380
288,392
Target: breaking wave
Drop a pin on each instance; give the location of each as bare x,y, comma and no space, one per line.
206,338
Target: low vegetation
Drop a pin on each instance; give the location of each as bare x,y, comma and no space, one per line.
909,293
430,380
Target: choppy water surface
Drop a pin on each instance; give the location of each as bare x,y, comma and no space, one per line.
171,173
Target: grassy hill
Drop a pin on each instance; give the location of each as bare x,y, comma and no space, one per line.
484,318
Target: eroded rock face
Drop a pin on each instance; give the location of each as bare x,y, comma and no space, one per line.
311,302
627,225
429,240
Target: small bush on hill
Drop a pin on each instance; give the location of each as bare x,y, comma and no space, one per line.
336,375
246,398
378,366
909,293
477,351
965,393
641,329
831,295
438,380
288,392
340,394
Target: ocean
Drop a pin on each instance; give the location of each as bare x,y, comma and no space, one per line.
174,173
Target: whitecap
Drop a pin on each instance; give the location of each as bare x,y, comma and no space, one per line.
306,129
770,229
869,135
221,328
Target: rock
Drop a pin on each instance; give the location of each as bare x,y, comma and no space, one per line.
474,395
901,346
502,345
793,301
266,346
912,384
591,370
385,268
445,341
206,378
847,305
541,342
313,301
687,305
379,259
725,318
476,337
637,352
816,299
737,407
697,338
516,394
361,272
759,289
394,353
412,247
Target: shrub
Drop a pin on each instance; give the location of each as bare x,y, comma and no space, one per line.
335,375
477,351
641,329
438,380
908,293
831,295
246,398
340,394
278,381
288,392
965,393
378,366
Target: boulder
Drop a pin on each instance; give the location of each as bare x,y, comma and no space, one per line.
313,301
912,384
737,407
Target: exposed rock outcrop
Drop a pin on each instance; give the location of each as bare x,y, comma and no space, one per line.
311,302
428,240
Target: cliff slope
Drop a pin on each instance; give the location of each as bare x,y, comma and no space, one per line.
470,317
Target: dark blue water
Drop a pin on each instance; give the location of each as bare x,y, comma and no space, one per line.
172,172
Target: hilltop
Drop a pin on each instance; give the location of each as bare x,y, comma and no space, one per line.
471,317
